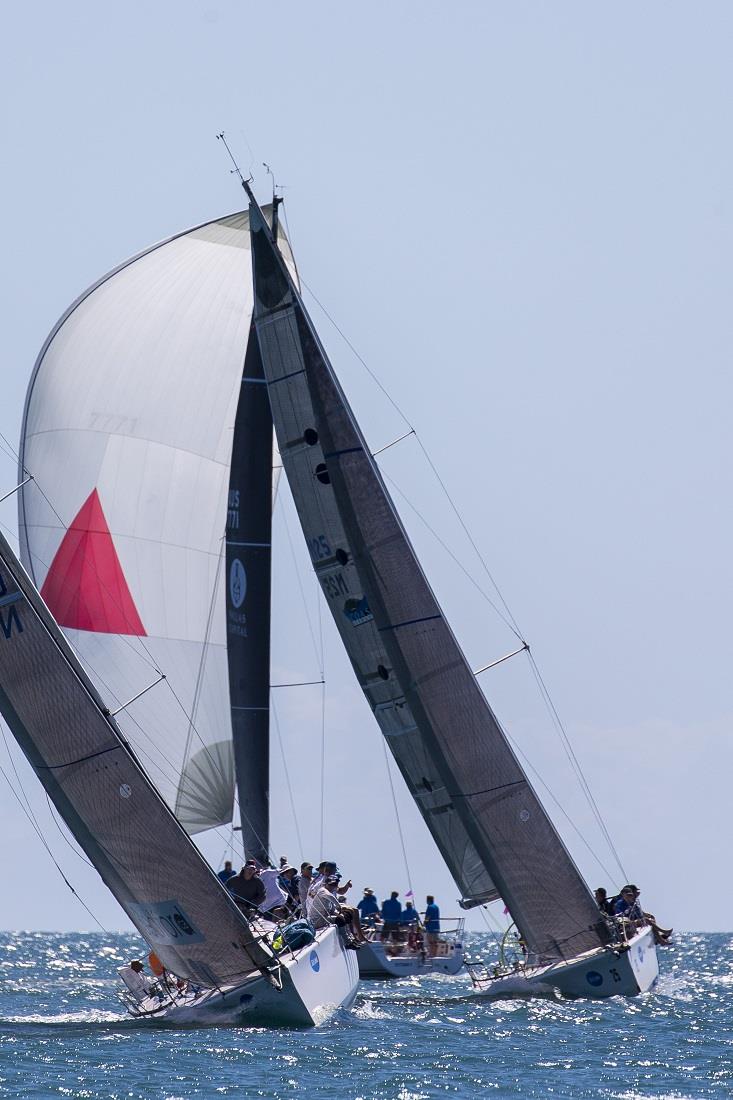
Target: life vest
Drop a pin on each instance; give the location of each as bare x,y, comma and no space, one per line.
156,965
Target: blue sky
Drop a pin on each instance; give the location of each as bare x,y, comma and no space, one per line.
520,215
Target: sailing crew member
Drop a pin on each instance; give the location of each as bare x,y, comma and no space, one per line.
391,916
275,897
626,906
140,984
603,902
410,922
661,935
247,888
228,871
410,916
288,880
432,924
368,908
323,907
305,881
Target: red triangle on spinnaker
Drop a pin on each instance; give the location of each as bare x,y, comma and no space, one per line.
85,587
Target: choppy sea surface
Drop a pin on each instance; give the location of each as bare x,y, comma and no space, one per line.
63,1034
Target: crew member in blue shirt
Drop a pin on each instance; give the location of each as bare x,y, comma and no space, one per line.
409,916
627,905
391,915
368,908
432,924
227,873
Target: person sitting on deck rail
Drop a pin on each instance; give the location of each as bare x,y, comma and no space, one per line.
324,908
247,888
626,907
661,935
603,902
350,912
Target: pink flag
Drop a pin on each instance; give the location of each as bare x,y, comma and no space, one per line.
409,894
506,911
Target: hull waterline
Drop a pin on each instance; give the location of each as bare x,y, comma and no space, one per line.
306,990
626,971
376,962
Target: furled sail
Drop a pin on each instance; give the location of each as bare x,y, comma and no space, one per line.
77,751
128,433
485,818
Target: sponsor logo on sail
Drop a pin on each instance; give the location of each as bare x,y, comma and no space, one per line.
125,790
237,583
165,922
357,611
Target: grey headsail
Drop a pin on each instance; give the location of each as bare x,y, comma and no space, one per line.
141,852
485,818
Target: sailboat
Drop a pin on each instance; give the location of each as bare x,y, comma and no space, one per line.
487,821
122,527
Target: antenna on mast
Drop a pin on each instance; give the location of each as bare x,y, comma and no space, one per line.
276,200
236,170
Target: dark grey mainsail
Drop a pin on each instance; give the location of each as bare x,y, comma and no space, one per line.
141,852
479,806
248,558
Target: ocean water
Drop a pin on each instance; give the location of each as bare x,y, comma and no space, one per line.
63,1034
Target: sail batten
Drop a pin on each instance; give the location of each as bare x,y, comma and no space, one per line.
479,806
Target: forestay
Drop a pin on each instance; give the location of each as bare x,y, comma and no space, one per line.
75,747
128,433
468,785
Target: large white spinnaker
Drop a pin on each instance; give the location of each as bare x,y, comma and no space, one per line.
127,432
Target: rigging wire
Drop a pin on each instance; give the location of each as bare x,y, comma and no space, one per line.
286,772
574,761
397,815
509,620
543,690
36,827
316,634
453,556
323,728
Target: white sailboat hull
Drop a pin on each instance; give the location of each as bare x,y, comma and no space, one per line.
310,986
376,962
625,972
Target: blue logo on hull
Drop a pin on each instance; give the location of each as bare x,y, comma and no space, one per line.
315,961
594,978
